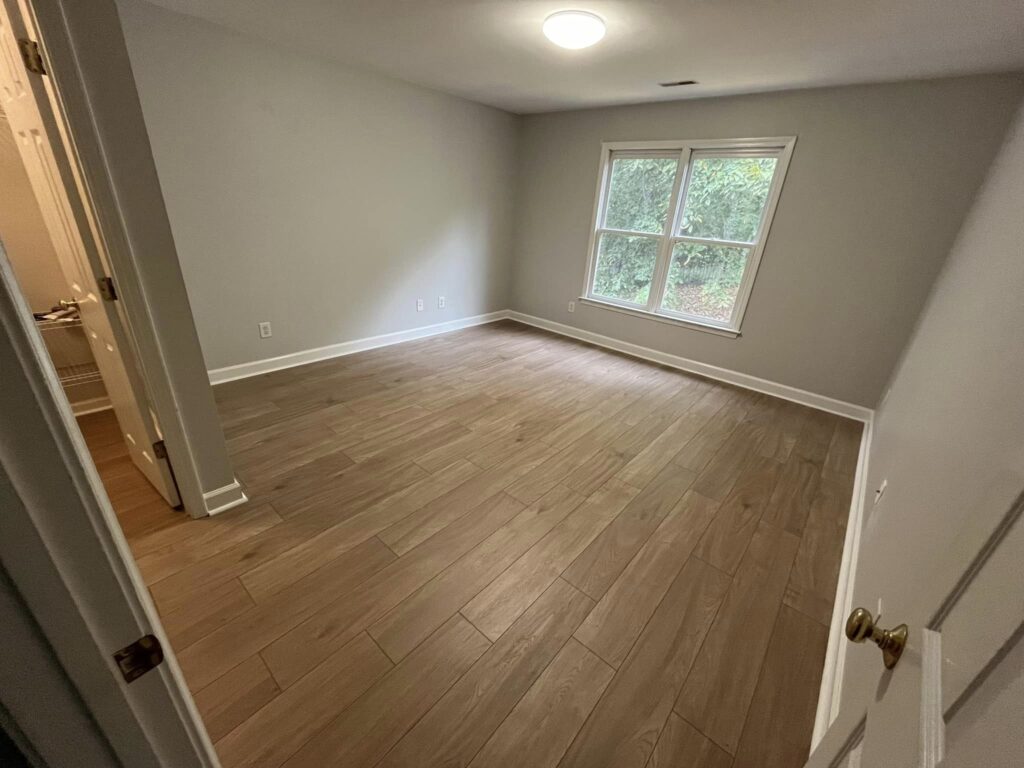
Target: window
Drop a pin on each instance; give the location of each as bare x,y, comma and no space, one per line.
679,227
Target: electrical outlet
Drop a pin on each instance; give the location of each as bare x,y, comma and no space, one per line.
265,332
419,305
440,302
572,306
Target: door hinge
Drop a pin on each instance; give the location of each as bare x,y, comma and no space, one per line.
160,449
139,657
107,290
31,55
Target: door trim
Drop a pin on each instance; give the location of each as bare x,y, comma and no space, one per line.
66,557
835,655
224,498
89,71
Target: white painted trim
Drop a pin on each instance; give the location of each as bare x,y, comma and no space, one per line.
693,325
676,144
784,391
258,367
92,405
224,498
99,108
835,657
68,559
686,150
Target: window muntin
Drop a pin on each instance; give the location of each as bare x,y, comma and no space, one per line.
680,228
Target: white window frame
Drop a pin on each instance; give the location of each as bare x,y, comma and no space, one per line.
685,150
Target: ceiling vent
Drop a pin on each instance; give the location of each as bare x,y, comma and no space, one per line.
674,83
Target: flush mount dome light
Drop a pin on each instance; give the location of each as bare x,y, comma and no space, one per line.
573,29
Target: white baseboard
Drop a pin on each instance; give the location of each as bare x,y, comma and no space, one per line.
224,498
784,391
92,405
257,367
835,656
810,399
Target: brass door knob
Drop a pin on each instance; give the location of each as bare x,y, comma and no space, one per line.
861,626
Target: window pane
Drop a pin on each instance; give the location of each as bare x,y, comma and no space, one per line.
703,279
625,267
638,197
726,196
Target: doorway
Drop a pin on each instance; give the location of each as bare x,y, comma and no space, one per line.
98,382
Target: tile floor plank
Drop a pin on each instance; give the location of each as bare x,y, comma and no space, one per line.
255,629
624,726
681,746
614,625
309,642
726,539
277,730
812,584
235,696
504,600
440,512
544,722
454,730
362,734
781,719
404,627
594,571
719,688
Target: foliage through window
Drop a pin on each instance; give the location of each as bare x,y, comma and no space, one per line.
680,226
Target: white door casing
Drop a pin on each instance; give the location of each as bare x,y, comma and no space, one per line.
47,153
73,595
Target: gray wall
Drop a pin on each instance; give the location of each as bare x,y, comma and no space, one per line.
947,438
880,180
319,198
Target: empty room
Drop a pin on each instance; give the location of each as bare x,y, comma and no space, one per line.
497,384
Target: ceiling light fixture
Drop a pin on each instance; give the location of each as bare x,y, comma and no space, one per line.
574,29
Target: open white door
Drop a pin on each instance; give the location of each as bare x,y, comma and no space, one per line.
943,542
956,696
71,597
33,111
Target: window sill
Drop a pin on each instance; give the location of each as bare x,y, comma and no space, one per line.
694,325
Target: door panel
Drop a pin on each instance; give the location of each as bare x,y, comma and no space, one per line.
989,721
956,697
29,105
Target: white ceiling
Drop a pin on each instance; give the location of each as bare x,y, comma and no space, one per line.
492,51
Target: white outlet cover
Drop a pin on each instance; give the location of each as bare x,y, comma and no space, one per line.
440,302
265,330
572,306
419,305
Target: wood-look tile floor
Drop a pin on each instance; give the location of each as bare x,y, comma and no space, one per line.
500,547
